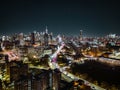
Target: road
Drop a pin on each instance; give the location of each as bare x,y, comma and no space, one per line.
109,61
67,75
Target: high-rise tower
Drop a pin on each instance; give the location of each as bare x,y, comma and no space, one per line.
51,37
46,37
32,38
81,31
46,30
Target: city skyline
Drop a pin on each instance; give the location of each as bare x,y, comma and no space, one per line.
41,60
95,18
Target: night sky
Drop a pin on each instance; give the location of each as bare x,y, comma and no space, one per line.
94,17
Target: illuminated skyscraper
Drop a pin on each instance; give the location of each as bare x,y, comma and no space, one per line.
46,37
21,39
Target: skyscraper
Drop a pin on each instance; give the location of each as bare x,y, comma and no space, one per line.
56,79
0,84
40,81
21,39
32,38
51,37
81,31
46,37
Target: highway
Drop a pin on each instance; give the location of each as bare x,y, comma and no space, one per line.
67,75
109,61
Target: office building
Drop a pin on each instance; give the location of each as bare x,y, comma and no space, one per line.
46,37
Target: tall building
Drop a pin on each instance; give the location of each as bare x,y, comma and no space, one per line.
59,39
14,73
0,84
56,79
21,39
81,37
22,51
39,81
32,38
18,70
3,38
51,37
46,37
